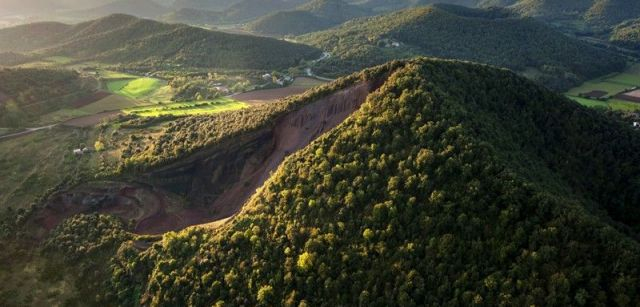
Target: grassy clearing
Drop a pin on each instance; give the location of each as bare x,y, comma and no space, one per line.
190,108
307,82
612,84
32,164
135,89
61,116
108,74
5,131
62,60
110,103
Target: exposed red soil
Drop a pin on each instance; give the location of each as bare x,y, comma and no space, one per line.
91,120
129,202
292,133
89,99
154,214
633,96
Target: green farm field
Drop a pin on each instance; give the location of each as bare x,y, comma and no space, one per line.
612,84
136,88
189,108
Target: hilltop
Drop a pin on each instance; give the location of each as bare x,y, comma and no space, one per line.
491,36
314,16
422,182
193,16
123,39
453,183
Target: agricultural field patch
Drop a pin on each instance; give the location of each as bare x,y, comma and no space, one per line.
613,85
189,108
110,103
109,74
307,82
299,86
136,88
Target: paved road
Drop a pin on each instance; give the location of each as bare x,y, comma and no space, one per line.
309,72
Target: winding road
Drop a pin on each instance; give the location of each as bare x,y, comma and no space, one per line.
309,72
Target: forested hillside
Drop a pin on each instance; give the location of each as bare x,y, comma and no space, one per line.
193,16
627,34
390,5
126,39
490,36
454,184
314,16
27,93
247,10
597,12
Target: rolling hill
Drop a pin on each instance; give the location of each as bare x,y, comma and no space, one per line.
597,12
453,183
247,10
392,5
311,17
125,39
489,36
193,16
139,8
210,5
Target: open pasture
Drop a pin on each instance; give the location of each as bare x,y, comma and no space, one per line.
189,108
613,84
135,88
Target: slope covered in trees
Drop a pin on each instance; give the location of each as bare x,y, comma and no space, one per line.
314,16
598,12
391,5
126,39
489,36
26,94
627,34
448,177
454,184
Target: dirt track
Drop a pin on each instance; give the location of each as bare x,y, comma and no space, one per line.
90,120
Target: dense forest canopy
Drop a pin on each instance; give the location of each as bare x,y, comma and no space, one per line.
126,39
455,184
597,12
489,36
627,34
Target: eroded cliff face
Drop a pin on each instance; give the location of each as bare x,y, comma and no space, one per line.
217,181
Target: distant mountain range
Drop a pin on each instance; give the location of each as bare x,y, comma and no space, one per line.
597,12
492,36
139,8
127,39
